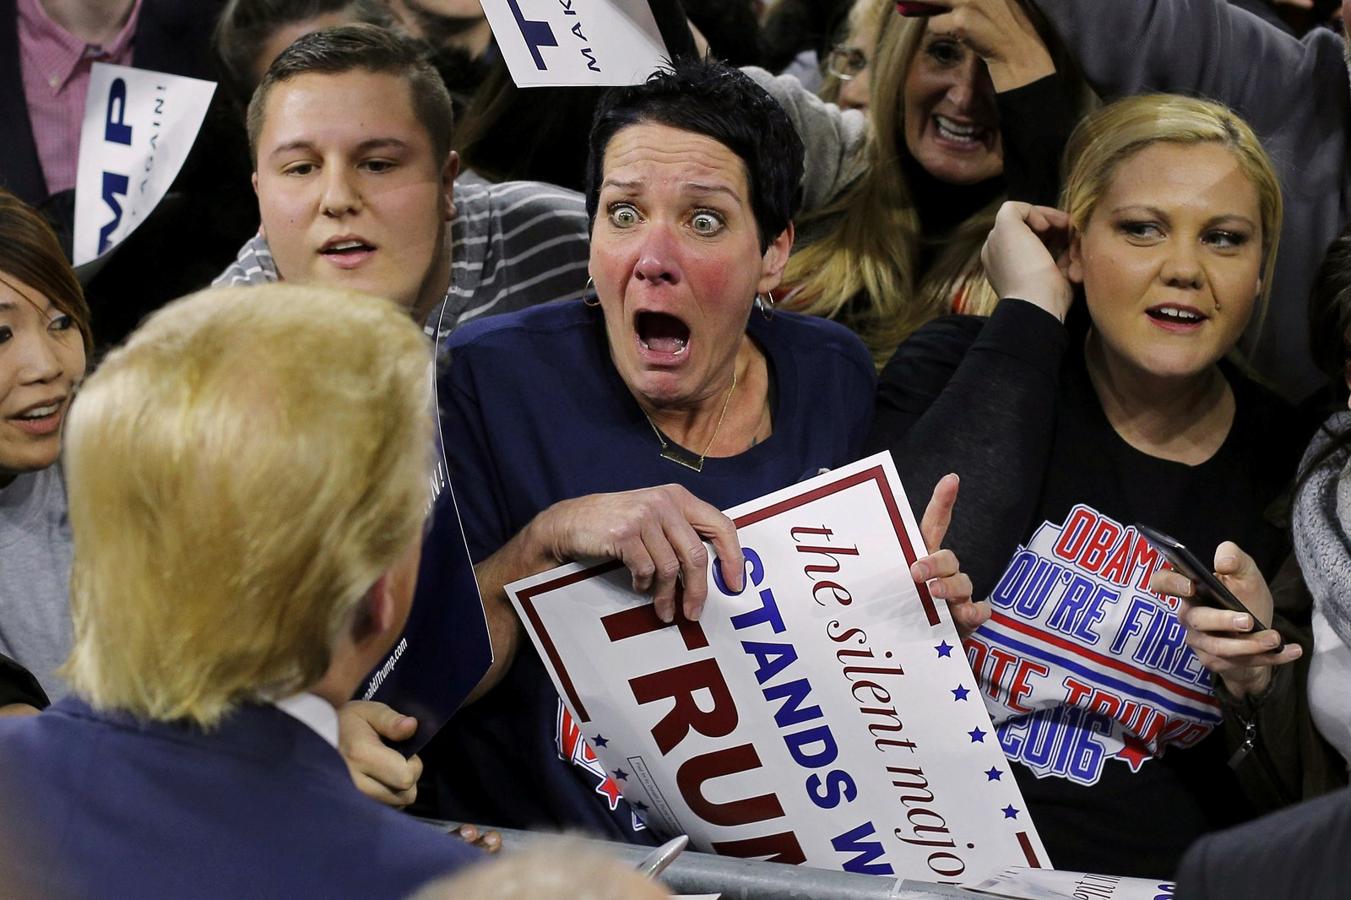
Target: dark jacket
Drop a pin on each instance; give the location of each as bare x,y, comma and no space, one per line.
105,805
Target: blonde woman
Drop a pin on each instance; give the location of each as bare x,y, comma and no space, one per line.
895,215
1117,709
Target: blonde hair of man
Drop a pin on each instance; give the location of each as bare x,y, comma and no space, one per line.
1118,131
240,474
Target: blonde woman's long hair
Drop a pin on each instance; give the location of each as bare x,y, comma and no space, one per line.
872,248
1116,132
240,474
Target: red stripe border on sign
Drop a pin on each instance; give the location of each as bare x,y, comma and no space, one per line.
1031,854
528,601
531,596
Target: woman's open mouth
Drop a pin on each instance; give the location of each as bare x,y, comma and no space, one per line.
1175,317
661,335
962,135
42,419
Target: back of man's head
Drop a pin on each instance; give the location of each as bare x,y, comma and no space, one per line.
333,51
240,474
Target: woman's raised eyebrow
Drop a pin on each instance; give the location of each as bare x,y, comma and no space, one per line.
699,187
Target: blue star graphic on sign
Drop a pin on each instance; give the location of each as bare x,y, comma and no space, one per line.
600,741
977,736
1010,812
944,650
959,693
992,774
621,775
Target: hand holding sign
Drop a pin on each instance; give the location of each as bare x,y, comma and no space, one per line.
657,533
378,770
823,712
941,569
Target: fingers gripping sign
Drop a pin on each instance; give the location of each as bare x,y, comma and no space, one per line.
1223,640
378,770
940,570
658,534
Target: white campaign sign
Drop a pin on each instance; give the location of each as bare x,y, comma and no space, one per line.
576,42
138,128
1027,884
826,715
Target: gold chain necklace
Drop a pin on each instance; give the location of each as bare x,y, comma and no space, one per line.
678,454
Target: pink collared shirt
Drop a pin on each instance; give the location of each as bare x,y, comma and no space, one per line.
56,66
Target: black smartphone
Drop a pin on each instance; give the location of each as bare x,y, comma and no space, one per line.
1209,589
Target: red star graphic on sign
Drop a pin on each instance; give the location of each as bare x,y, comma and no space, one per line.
1134,753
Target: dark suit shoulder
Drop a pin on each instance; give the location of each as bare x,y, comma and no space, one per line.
1300,852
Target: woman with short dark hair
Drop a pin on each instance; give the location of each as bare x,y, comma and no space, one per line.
618,427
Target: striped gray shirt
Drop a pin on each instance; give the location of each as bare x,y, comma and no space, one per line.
513,245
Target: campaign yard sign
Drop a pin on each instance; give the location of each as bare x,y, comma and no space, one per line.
138,128
1018,883
576,42
825,715
445,649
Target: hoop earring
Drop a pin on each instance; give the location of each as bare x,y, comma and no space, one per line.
594,299
765,303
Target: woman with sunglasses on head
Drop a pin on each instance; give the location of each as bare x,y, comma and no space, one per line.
44,342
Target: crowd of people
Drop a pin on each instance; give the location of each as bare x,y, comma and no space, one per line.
1077,266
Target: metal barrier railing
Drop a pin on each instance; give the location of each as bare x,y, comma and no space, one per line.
747,879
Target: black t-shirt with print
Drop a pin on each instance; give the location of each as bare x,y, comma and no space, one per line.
1085,671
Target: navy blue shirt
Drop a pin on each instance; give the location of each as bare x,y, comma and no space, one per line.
534,412
102,804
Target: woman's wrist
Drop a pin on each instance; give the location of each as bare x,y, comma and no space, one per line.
1020,69
1251,683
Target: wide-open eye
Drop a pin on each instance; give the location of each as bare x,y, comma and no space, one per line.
705,222
622,215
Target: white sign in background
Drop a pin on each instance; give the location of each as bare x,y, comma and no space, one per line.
138,128
1042,884
576,42
825,715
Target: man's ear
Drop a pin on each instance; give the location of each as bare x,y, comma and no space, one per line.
449,172
775,260
262,232
375,612
1075,273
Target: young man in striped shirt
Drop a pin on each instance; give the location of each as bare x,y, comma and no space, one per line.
350,131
